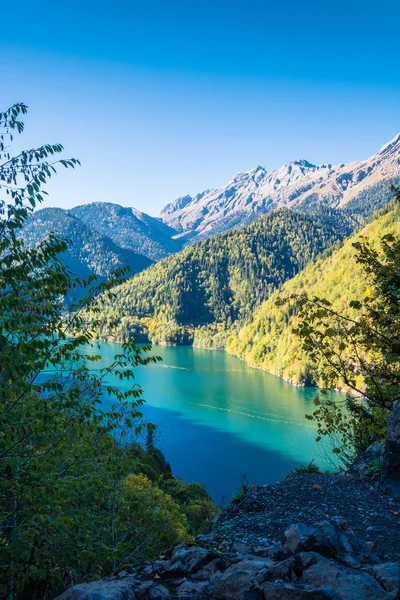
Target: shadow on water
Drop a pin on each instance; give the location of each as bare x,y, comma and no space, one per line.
214,458
219,419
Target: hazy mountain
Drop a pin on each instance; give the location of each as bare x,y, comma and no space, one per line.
89,252
129,228
299,184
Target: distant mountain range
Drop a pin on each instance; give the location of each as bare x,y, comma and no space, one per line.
299,185
89,251
129,228
105,235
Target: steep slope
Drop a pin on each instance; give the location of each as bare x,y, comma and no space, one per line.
299,184
129,228
267,340
221,279
89,252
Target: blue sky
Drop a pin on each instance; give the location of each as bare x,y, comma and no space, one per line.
163,98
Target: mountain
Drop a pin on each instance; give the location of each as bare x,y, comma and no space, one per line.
89,252
222,279
267,340
129,228
300,185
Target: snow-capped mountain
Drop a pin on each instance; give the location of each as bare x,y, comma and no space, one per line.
298,184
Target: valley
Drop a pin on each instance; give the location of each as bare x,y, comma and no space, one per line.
261,237
200,301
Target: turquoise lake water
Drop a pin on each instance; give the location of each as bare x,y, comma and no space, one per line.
219,419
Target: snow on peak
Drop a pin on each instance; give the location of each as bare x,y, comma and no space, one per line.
393,145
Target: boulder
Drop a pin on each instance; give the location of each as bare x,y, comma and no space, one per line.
332,538
388,575
111,588
187,561
152,591
312,574
212,570
282,591
391,470
184,561
300,537
190,588
236,585
369,462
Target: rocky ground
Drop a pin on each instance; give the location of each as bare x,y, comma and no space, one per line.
309,498
309,537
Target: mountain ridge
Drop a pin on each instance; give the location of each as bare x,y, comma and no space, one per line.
298,184
129,228
89,251
220,280
267,340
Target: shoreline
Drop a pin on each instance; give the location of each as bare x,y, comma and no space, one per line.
166,344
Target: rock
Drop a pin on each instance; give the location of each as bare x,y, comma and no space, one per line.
282,591
300,537
186,561
249,564
235,585
369,461
239,548
263,551
189,588
104,589
305,575
316,576
333,538
321,594
213,569
388,575
152,591
328,561
319,572
279,590
391,470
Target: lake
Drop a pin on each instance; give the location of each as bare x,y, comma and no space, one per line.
219,419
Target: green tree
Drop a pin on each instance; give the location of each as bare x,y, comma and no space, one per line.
360,349
60,463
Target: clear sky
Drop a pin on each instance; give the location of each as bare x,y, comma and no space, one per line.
161,98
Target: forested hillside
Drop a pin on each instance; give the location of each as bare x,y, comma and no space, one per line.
222,279
268,340
129,228
89,251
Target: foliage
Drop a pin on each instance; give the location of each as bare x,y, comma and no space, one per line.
194,502
243,490
220,280
65,496
268,339
310,468
360,348
158,516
